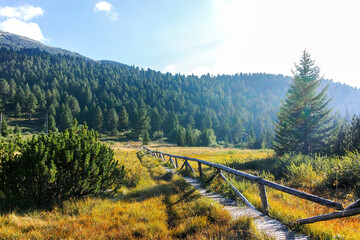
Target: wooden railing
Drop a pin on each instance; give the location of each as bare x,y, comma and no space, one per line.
353,209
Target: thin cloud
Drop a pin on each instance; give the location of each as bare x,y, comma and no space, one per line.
106,7
17,20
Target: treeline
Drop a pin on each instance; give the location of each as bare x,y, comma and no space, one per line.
111,98
347,138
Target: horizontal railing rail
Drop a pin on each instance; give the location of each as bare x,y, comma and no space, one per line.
353,209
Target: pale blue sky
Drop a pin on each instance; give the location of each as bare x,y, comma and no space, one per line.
216,36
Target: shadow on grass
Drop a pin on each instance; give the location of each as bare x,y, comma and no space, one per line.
155,191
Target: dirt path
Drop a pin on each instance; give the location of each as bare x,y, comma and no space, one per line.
264,223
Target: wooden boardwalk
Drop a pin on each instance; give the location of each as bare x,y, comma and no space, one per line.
264,223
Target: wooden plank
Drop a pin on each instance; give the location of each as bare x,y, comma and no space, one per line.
354,205
263,197
162,157
345,213
237,192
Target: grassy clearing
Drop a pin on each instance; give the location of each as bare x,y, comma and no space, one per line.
153,205
284,207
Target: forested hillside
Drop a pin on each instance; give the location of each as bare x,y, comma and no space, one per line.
110,97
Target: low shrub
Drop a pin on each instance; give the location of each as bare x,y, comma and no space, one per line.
346,174
49,169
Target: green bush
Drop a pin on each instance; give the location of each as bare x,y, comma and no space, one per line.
302,175
346,174
49,169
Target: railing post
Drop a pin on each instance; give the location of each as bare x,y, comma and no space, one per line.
200,170
176,162
263,197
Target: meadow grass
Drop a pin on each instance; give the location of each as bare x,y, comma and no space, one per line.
153,204
283,207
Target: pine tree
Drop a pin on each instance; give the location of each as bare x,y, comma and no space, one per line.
112,121
98,119
123,119
146,137
17,110
190,139
142,123
207,137
52,124
31,104
17,130
181,136
65,118
304,121
170,123
51,110
226,141
74,106
353,135
155,121
4,130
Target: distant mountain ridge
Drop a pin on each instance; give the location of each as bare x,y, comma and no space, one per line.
17,42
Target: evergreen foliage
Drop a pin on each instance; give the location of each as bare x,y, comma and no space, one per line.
65,117
31,104
123,119
17,110
98,119
52,168
347,137
230,105
4,129
112,121
208,138
141,123
181,137
52,124
304,122
146,137
17,130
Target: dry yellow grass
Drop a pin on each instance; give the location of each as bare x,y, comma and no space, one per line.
284,207
158,206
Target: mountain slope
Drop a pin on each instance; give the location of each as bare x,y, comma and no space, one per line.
239,108
17,42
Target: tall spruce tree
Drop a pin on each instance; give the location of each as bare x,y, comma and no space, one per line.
98,119
4,130
112,121
123,119
65,118
304,122
141,123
